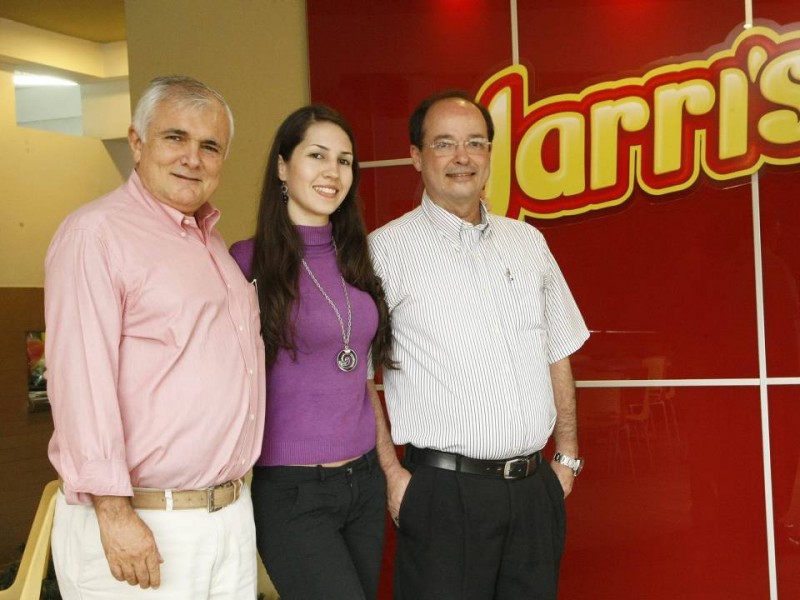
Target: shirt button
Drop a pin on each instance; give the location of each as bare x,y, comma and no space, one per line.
183,234
228,285
252,417
243,461
241,327
250,371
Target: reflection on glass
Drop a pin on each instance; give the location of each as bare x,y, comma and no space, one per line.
671,502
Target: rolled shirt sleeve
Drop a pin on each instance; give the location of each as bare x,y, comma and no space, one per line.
83,311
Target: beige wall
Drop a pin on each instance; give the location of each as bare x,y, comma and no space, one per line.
43,176
254,52
64,55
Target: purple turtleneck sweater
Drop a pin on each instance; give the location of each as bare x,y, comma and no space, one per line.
317,413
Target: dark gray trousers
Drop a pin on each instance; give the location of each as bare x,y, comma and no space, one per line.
473,537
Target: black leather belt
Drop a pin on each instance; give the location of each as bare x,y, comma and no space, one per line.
512,468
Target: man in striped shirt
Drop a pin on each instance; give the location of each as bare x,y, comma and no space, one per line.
483,325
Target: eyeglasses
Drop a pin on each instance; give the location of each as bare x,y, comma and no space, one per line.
473,147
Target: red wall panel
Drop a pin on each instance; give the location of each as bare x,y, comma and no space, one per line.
663,277
780,232
571,43
667,509
672,503
389,192
779,11
375,61
784,416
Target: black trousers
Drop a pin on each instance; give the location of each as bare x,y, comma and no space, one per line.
320,530
473,537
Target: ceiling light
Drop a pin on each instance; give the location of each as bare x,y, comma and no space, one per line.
30,80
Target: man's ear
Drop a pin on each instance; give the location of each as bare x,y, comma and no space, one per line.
135,141
416,158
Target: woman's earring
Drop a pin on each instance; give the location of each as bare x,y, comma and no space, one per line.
284,192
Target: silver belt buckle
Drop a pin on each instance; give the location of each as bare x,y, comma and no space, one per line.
511,464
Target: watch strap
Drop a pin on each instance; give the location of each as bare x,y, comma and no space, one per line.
576,464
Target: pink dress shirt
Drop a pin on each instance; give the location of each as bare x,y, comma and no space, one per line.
155,364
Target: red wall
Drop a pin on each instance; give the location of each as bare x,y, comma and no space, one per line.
673,502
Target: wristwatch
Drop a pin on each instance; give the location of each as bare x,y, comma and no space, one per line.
576,464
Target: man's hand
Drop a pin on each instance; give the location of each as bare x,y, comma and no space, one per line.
397,477
129,544
396,484
565,476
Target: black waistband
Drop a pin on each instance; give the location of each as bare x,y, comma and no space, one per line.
299,474
513,468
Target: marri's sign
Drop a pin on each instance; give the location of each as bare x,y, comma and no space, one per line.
723,116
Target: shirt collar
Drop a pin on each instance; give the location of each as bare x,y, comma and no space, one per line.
206,216
453,228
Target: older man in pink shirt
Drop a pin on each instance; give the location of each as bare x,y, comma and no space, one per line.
156,371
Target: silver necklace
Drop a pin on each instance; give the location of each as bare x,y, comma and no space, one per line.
347,359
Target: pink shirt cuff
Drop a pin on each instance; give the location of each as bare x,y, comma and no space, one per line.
98,478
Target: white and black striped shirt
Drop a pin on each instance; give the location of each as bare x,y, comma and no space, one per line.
478,314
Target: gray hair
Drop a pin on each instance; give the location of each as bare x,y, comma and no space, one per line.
178,88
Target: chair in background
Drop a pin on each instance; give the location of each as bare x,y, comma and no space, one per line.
601,421
33,566
660,400
638,417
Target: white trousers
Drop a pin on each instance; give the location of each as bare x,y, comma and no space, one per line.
206,555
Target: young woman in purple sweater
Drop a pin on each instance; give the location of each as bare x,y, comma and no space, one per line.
318,489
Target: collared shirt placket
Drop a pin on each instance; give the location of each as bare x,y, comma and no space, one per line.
494,291
238,305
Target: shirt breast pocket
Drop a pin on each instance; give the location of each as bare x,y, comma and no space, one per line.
527,299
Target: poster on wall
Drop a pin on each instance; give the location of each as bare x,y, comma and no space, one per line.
37,383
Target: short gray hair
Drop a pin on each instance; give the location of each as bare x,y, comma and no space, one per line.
178,88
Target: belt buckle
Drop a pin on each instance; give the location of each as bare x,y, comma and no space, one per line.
210,499
510,470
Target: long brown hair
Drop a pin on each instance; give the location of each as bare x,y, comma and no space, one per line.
279,248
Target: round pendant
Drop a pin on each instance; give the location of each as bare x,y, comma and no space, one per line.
347,360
